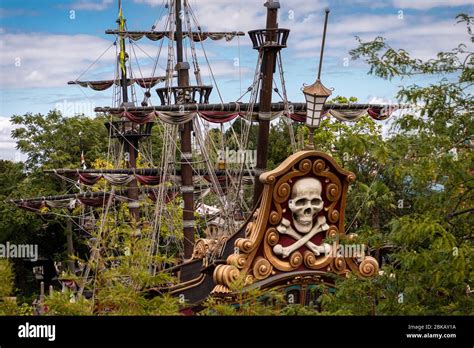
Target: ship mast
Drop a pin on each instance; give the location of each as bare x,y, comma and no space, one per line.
122,54
187,188
130,140
268,68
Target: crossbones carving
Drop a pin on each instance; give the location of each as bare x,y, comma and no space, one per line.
305,203
285,228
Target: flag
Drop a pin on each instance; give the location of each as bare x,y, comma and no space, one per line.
121,21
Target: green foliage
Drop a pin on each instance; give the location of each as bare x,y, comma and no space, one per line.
11,174
6,278
48,141
65,303
245,302
8,306
120,265
120,299
54,141
8,303
279,143
20,227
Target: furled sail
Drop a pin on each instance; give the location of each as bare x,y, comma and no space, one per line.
145,176
102,85
196,36
179,117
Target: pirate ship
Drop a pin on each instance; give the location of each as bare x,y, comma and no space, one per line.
278,237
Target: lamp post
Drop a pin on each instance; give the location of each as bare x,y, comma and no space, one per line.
316,95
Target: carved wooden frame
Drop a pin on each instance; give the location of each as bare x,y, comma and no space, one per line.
254,259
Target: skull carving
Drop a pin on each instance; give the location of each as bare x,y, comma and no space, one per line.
305,203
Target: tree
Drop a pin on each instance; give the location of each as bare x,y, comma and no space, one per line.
429,174
49,141
54,141
17,226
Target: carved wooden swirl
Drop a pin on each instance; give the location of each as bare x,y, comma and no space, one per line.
272,237
261,268
237,260
226,275
333,232
316,262
369,267
296,259
244,244
339,264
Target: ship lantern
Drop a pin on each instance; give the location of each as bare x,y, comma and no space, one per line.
316,95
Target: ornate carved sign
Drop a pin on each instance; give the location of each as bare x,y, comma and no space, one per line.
302,205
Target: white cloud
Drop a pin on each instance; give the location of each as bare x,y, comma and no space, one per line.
152,3
381,100
5,129
414,37
43,60
47,60
34,76
340,34
305,18
244,15
224,68
91,5
427,4
7,144
369,3
410,33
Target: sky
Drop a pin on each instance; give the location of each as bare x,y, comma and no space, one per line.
44,44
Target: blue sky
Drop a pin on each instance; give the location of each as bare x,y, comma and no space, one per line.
43,45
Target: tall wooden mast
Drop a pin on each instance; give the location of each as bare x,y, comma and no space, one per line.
122,55
187,188
130,140
268,68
